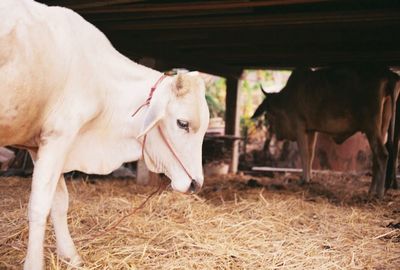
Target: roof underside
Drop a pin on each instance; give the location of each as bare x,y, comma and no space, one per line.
224,36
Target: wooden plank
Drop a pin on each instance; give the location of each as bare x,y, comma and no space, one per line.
174,59
226,42
232,120
81,5
230,64
273,169
257,20
340,45
223,137
187,6
222,37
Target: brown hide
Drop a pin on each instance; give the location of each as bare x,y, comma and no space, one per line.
338,102
393,147
353,155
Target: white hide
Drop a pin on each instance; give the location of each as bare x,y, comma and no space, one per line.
68,96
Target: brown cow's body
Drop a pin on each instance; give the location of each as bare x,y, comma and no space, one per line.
338,102
393,147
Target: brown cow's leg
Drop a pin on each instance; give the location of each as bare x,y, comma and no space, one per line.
390,181
303,143
381,153
393,148
396,138
380,158
312,136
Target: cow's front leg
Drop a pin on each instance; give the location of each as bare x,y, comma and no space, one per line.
47,171
59,209
379,164
303,144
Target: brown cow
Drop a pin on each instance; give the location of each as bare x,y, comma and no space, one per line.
339,102
393,147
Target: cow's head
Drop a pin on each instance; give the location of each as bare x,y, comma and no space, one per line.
179,109
273,106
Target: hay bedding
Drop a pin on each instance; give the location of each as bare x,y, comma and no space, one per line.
229,225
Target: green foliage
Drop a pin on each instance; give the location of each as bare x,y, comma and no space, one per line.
215,96
249,91
251,95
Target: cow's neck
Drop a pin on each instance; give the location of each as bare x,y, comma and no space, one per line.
125,92
144,78
133,85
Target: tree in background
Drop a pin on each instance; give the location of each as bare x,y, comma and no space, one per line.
251,95
215,95
249,91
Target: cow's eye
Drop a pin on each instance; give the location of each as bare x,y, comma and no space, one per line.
183,124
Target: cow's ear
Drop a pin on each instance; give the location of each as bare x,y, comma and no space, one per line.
260,109
182,84
155,112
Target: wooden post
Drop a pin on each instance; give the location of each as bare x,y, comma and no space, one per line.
232,120
143,175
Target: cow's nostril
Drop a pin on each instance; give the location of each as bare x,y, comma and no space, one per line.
194,186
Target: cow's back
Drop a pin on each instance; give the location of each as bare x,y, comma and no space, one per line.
340,100
41,67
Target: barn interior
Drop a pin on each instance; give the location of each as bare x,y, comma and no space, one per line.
224,38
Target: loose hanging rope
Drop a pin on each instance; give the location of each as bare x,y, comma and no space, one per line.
161,187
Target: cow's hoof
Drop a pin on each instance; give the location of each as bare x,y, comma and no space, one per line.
33,264
375,196
371,192
303,182
380,194
395,185
74,261
371,195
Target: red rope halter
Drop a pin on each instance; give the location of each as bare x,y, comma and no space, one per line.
152,89
161,187
146,103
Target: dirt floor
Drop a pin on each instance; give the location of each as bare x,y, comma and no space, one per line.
236,222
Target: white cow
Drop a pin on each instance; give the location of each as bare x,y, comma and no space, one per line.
68,97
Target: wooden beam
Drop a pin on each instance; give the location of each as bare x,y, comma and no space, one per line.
342,17
177,60
295,58
81,5
230,62
226,36
184,7
232,120
264,40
